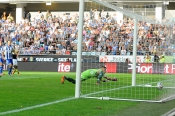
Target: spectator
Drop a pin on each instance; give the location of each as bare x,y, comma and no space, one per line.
156,58
41,48
127,60
123,51
47,14
117,52
91,13
4,16
10,18
102,34
40,16
28,16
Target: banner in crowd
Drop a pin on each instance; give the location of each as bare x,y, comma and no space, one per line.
139,59
55,58
170,59
88,58
118,58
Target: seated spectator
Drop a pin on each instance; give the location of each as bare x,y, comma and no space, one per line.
123,51
41,48
102,35
67,52
58,51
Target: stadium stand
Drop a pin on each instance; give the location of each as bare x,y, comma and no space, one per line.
101,33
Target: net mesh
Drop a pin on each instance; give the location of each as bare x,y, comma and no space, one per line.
109,36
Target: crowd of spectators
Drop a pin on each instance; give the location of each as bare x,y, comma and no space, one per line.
48,34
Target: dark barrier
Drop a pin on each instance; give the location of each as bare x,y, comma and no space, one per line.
158,68
122,67
38,66
111,67
148,68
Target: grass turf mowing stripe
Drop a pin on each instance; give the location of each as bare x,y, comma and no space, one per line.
49,103
36,106
40,102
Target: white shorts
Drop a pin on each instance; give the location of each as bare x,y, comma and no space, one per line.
15,62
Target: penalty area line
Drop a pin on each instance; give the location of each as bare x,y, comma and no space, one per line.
36,106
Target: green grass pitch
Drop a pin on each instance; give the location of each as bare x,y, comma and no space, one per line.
42,94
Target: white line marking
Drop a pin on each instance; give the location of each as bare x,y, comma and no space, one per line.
36,106
51,103
59,101
105,91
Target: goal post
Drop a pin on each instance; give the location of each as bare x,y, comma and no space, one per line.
138,78
79,50
134,53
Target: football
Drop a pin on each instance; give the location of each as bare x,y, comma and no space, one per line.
159,85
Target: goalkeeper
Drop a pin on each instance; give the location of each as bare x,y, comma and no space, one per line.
90,73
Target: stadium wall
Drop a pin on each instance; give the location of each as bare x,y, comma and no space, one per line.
112,67
67,63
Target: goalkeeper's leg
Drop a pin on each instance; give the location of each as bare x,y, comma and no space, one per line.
68,79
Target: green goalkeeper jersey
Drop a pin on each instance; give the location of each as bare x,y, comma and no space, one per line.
90,73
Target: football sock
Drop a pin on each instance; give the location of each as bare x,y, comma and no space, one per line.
0,69
83,80
70,80
10,70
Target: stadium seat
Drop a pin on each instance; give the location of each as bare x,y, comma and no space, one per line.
83,53
88,53
74,53
97,53
103,53
93,53
128,53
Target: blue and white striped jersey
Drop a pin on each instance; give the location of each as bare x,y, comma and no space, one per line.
8,52
1,51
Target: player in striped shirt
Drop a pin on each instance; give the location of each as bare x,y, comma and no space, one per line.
8,56
1,58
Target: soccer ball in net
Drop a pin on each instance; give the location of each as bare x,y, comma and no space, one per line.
159,85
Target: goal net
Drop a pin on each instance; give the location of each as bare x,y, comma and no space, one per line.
135,45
